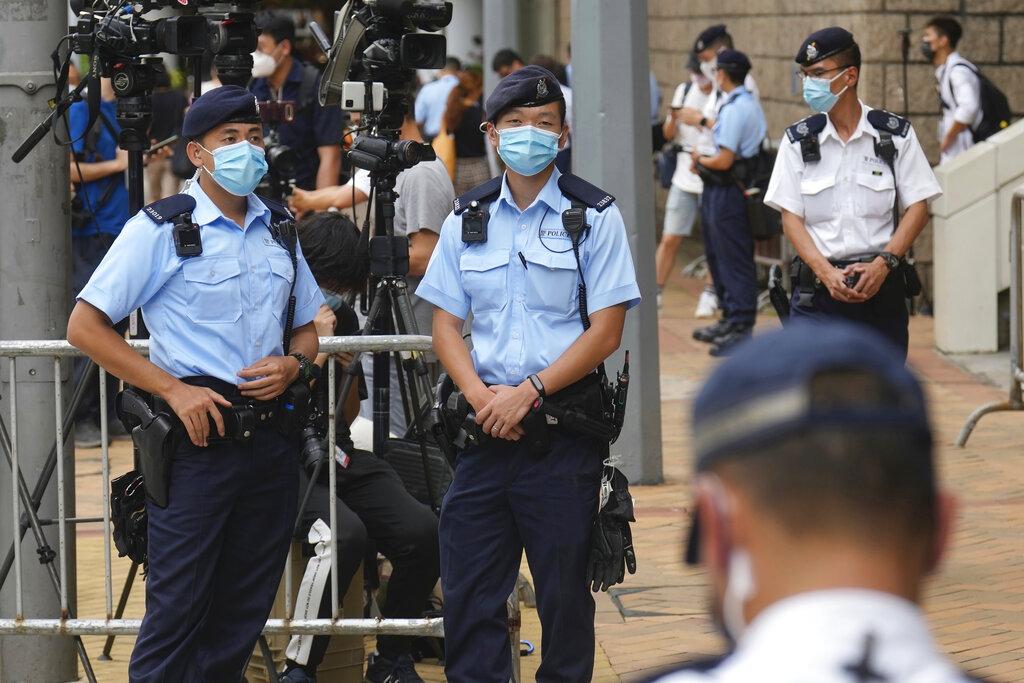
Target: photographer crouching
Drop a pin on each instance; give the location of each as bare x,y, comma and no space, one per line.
372,503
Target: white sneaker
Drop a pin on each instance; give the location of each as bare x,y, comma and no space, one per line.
707,305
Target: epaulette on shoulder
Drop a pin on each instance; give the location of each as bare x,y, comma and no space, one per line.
889,122
278,211
484,192
167,209
812,125
575,187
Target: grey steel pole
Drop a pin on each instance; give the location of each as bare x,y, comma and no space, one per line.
34,298
611,148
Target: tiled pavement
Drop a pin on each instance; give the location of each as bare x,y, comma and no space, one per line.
976,604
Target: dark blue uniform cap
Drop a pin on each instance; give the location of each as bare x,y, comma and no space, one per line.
823,44
733,58
225,104
708,36
531,86
764,393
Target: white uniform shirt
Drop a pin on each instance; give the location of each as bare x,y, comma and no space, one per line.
846,199
693,137
960,93
828,637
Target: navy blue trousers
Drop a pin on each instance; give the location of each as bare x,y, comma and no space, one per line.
886,312
729,248
504,500
216,557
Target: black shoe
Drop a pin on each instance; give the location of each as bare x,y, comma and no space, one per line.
87,435
296,674
728,342
711,332
380,669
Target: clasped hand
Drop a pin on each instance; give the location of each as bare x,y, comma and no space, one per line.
506,407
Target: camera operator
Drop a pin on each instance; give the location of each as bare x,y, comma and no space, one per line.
425,196
315,134
372,503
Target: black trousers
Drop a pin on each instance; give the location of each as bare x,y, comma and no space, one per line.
729,247
373,505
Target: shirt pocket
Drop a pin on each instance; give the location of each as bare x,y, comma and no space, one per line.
551,282
818,195
213,289
280,284
485,279
877,194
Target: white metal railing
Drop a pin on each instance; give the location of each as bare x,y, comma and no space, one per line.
113,625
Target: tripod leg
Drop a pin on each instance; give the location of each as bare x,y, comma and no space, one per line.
121,604
268,659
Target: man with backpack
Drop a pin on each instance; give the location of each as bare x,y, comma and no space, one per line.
972,107
315,133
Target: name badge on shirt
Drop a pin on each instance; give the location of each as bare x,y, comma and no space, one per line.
554,233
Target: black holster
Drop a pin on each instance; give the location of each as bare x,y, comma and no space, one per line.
156,437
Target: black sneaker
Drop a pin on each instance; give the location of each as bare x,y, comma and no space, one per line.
381,669
711,332
87,435
296,674
727,343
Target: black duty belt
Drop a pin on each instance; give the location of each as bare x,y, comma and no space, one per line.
241,420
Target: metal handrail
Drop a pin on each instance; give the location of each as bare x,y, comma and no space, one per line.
1014,401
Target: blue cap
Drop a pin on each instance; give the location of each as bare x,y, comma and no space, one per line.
531,86
733,58
708,36
221,105
823,44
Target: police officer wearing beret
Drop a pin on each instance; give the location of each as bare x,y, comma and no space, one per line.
818,514
542,261
840,180
214,273
729,245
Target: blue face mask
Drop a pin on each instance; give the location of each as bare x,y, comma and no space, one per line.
238,168
527,150
818,93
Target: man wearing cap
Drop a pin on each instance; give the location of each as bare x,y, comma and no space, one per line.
818,516
214,272
841,178
542,261
728,243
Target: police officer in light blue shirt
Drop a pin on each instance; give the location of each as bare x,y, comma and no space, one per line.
739,130
432,99
507,255
214,273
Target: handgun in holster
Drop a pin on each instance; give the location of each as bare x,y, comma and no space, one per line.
156,437
804,282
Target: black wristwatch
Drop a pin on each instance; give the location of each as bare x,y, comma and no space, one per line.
892,261
703,122
538,385
308,370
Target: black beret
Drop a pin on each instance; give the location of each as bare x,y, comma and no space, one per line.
530,86
733,58
221,105
708,36
823,44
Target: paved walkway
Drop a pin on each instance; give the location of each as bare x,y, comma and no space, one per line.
657,619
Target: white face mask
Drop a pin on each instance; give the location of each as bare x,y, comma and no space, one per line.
263,65
708,69
739,588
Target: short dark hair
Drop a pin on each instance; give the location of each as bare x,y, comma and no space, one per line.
848,57
863,483
947,26
737,74
505,57
333,250
278,26
453,63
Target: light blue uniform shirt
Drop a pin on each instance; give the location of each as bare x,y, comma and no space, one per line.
740,125
431,102
526,316
212,314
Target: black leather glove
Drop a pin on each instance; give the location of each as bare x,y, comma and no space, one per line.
611,541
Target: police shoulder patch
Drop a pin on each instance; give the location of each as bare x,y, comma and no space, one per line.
812,125
889,122
278,211
484,192
577,188
167,209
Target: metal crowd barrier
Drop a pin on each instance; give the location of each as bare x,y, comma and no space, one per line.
113,624
1014,401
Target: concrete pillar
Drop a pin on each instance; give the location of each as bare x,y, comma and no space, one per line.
612,148
501,30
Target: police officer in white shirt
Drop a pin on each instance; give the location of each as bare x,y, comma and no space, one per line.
840,180
818,516
958,83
